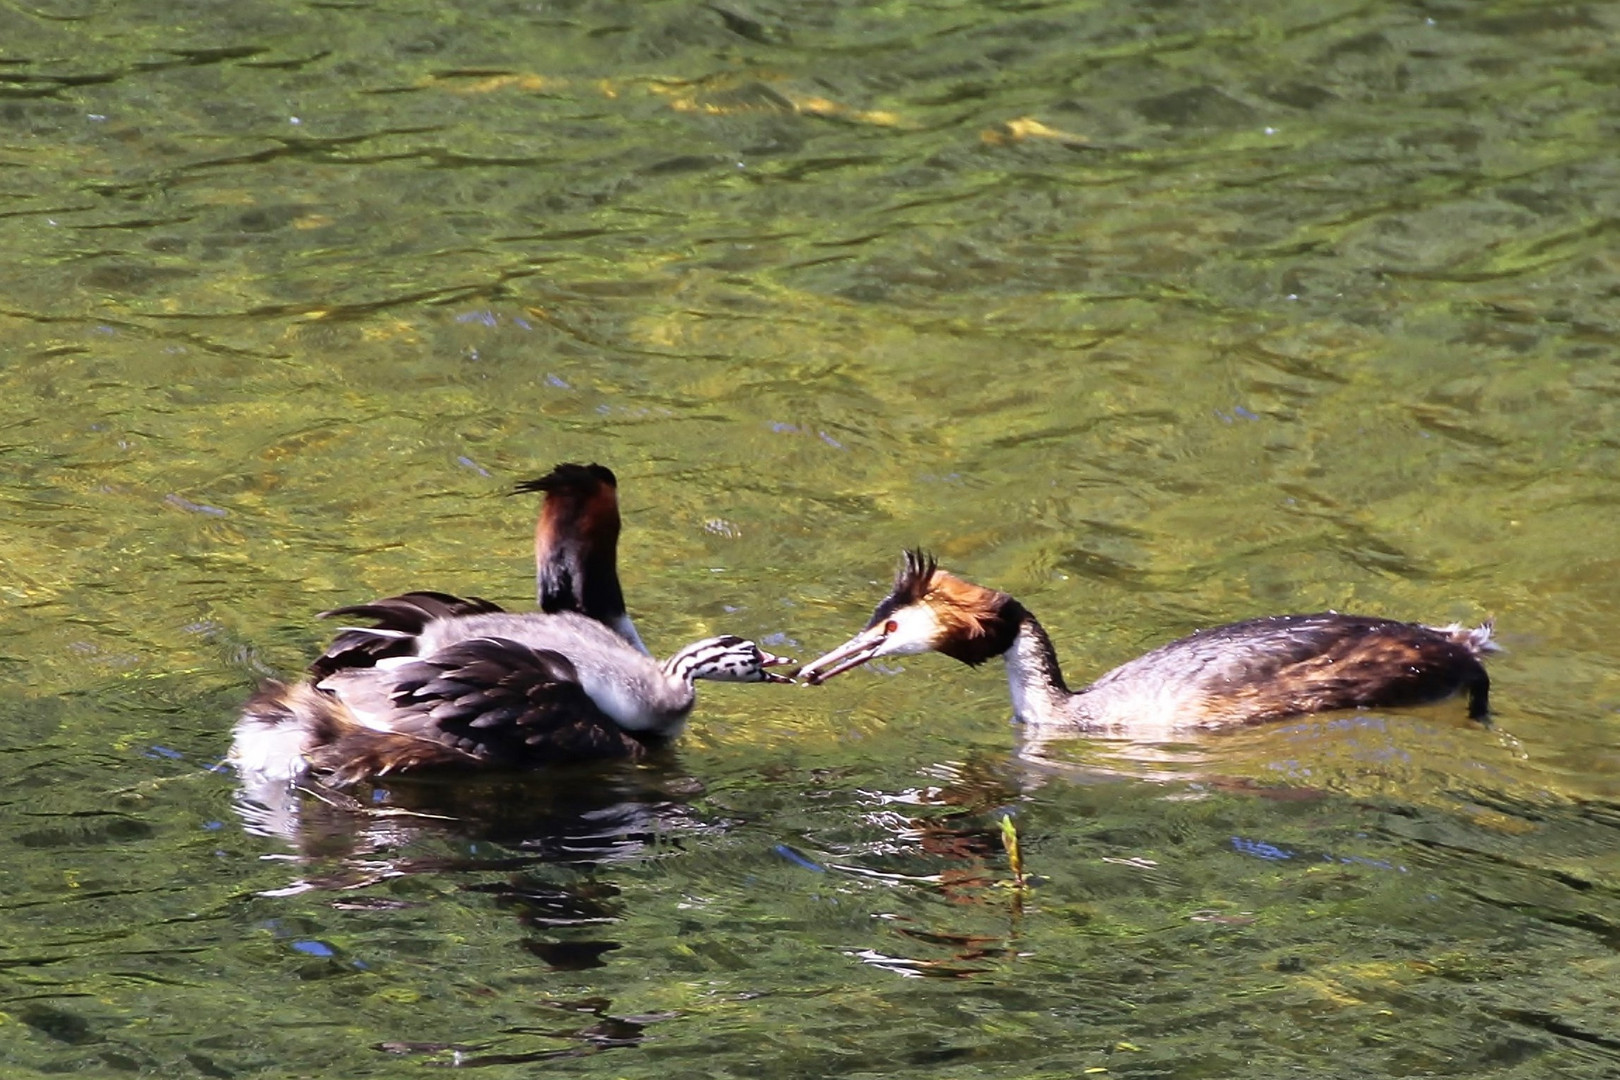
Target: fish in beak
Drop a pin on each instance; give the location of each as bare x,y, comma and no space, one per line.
851,654
928,610
770,660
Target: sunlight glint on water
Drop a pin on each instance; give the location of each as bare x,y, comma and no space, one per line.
1156,316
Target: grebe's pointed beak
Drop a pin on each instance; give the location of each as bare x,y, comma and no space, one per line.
768,660
852,653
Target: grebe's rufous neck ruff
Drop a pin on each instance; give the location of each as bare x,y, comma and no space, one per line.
1242,673
576,546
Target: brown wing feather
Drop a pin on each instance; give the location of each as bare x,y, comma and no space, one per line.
398,620
1386,667
318,732
359,753
502,702
1287,665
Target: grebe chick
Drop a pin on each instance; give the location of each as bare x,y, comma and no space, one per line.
576,546
441,681
1243,673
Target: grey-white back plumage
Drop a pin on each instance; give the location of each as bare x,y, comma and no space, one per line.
629,686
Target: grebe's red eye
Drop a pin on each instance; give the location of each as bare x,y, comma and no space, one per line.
890,627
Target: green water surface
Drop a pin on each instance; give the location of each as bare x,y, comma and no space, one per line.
1157,315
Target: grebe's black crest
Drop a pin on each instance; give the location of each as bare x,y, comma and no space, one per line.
911,584
570,476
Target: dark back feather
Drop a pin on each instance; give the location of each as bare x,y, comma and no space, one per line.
504,703
361,753
1289,665
399,619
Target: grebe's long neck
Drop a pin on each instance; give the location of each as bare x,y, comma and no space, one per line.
1040,696
695,661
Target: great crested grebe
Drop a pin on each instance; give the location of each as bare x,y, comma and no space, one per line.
444,681
1243,673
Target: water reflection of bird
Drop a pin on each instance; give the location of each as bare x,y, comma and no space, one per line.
443,681
592,814
1261,669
